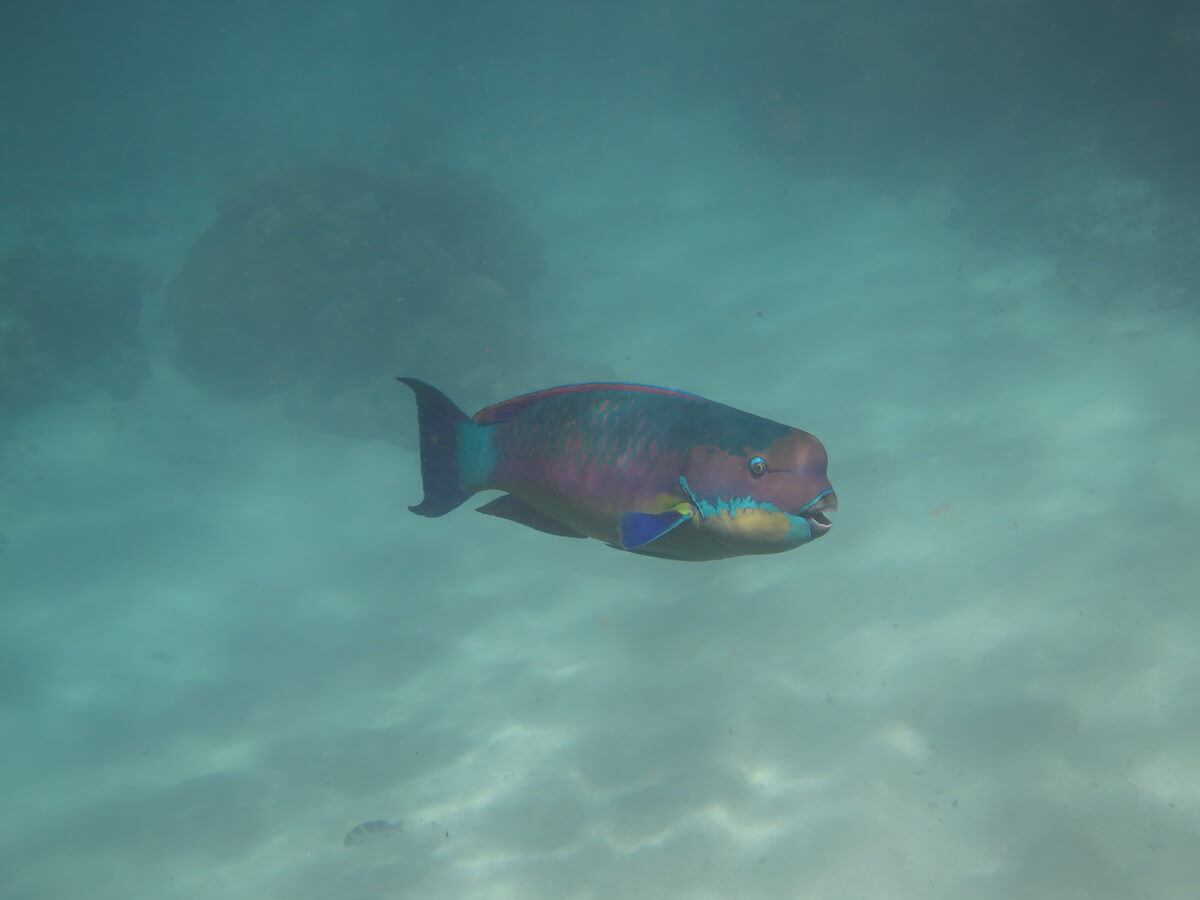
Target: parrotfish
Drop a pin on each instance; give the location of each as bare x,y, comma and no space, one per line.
650,470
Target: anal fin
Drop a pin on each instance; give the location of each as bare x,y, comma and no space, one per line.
517,510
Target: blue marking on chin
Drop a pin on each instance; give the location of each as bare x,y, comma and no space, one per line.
801,529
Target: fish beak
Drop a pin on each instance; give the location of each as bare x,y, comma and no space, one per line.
817,513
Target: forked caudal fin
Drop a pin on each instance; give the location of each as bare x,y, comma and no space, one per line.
440,422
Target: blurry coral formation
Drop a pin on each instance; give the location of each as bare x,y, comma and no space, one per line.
318,282
66,318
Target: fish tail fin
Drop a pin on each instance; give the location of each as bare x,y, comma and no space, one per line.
441,424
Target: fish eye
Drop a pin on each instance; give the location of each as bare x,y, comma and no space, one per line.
758,466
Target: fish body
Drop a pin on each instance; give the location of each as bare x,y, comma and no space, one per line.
650,470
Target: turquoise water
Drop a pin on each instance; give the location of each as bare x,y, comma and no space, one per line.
956,243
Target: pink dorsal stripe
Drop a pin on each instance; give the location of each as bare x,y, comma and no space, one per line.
507,409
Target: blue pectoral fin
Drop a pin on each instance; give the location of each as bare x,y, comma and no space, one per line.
639,529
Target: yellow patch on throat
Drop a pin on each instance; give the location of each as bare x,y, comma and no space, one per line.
750,523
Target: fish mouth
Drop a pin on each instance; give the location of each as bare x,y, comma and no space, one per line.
818,523
816,513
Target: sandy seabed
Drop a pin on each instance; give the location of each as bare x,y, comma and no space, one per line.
225,642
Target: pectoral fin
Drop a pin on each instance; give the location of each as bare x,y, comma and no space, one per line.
517,510
639,529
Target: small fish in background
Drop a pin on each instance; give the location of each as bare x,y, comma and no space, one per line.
649,470
372,832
